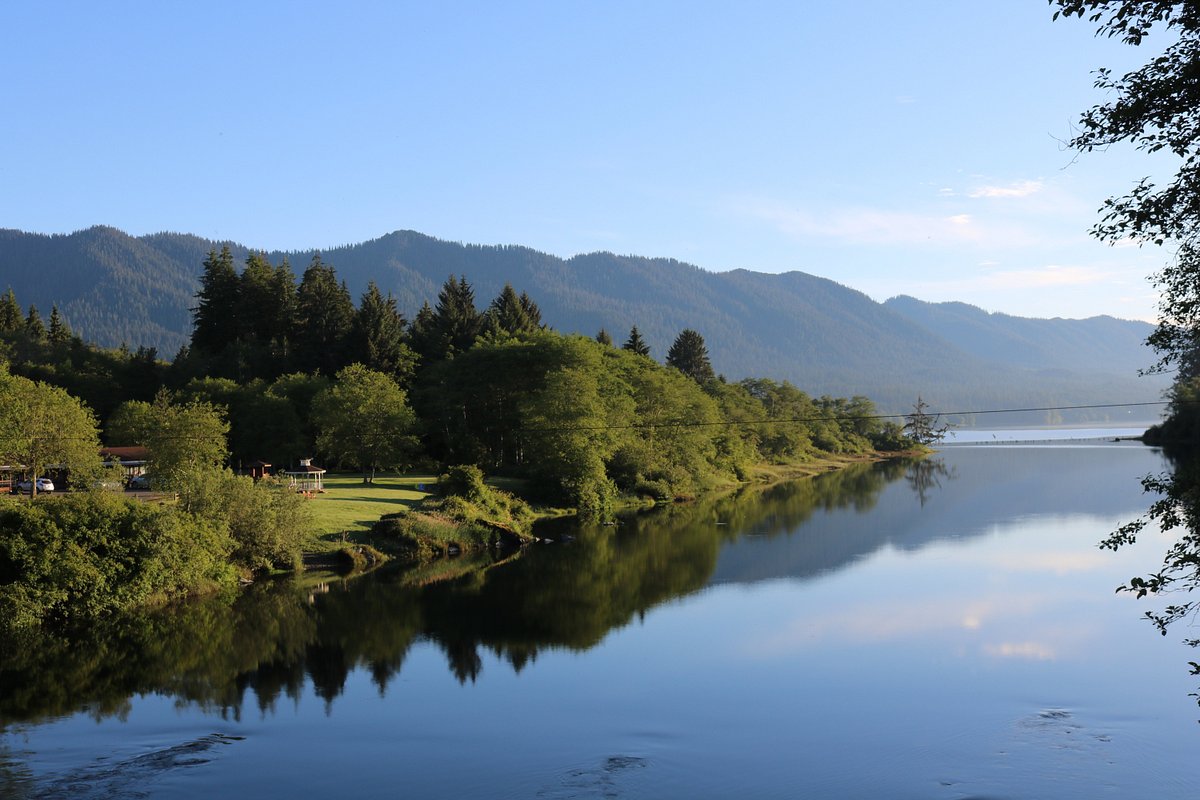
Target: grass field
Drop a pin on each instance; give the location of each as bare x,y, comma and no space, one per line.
351,507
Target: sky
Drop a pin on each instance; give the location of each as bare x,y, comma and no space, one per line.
896,148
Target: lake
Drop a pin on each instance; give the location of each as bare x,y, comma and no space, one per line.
936,629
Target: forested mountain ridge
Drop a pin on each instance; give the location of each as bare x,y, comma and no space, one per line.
1033,343
824,337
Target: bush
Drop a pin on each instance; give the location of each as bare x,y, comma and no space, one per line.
463,480
266,520
89,554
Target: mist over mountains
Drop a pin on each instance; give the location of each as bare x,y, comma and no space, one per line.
113,288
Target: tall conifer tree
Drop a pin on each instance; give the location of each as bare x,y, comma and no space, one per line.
377,338
34,325
215,322
511,314
457,322
11,318
60,332
324,313
689,355
635,343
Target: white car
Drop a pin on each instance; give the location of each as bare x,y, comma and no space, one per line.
43,485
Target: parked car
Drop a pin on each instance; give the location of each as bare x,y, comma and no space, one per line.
138,482
43,485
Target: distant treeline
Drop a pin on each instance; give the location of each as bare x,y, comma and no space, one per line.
583,418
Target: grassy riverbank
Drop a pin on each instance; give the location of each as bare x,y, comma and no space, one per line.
350,507
348,511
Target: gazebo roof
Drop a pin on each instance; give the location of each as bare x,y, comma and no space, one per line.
306,468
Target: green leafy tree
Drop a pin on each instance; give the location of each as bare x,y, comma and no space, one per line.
603,337
567,438
184,440
266,520
689,355
636,344
669,448
1156,107
300,390
364,420
43,426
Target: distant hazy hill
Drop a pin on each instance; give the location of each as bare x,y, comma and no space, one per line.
1118,344
822,336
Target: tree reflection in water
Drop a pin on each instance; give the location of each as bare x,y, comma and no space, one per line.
271,638
925,475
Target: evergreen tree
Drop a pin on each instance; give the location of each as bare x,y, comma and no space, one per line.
60,332
603,338
324,314
421,333
214,319
283,301
456,321
34,326
511,314
11,318
635,343
377,337
689,355
255,301
532,311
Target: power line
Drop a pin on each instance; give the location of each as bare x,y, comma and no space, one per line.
831,418
720,423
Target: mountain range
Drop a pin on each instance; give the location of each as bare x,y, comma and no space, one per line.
113,288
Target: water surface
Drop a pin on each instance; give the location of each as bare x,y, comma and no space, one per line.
942,629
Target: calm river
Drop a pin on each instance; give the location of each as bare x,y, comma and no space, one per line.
946,629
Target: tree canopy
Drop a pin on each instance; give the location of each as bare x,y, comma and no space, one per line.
689,355
42,426
363,420
1157,109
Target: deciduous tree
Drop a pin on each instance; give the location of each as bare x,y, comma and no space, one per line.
184,440
1157,108
43,426
364,420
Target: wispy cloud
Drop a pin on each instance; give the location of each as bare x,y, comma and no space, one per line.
991,280
864,225
872,623
1051,275
870,225
1016,189
1029,651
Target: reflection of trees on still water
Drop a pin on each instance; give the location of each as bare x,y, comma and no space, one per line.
271,638
925,475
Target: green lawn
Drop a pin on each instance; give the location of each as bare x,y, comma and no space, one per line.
349,506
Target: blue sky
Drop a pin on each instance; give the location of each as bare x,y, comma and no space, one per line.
893,147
